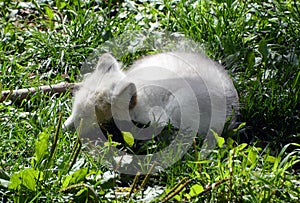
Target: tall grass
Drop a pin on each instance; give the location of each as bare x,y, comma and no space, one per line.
257,41
46,42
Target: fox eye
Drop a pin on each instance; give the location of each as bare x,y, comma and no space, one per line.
133,101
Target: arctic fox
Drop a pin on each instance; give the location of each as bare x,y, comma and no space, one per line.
188,90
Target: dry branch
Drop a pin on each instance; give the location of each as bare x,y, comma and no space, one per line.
21,94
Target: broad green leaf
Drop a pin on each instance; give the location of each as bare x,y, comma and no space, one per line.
128,138
60,5
27,178
196,190
177,198
75,3
76,177
263,49
241,146
15,181
80,192
220,140
252,156
49,12
41,147
270,159
251,59
230,143
66,182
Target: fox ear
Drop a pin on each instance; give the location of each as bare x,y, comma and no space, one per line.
107,63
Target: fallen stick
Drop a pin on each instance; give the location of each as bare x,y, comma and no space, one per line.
21,94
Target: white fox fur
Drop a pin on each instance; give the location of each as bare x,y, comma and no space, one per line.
187,89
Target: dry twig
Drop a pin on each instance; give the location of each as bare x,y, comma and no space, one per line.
21,94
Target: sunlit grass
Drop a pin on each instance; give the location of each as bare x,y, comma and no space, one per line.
46,43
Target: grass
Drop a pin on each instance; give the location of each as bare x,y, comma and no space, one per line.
46,42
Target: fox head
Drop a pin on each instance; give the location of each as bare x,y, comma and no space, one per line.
104,94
